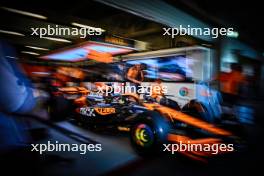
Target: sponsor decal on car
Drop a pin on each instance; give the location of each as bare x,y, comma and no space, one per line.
90,112
87,111
105,111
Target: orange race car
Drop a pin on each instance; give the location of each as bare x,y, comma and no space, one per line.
153,127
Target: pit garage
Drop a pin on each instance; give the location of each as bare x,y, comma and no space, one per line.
116,99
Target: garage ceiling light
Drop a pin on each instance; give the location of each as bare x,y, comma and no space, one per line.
233,34
57,39
25,13
37,48
29,52
11,32
86,26
11,57
82,52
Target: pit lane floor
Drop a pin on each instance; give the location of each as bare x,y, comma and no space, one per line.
116,150
118,158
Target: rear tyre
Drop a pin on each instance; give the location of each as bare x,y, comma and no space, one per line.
149,133
143,138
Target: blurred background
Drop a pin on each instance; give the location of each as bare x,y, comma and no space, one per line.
33,108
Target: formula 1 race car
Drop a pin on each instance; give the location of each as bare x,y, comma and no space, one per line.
150,124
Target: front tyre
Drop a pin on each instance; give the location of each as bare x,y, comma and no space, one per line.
196,109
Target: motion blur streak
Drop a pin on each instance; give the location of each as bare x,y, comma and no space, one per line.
189,119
